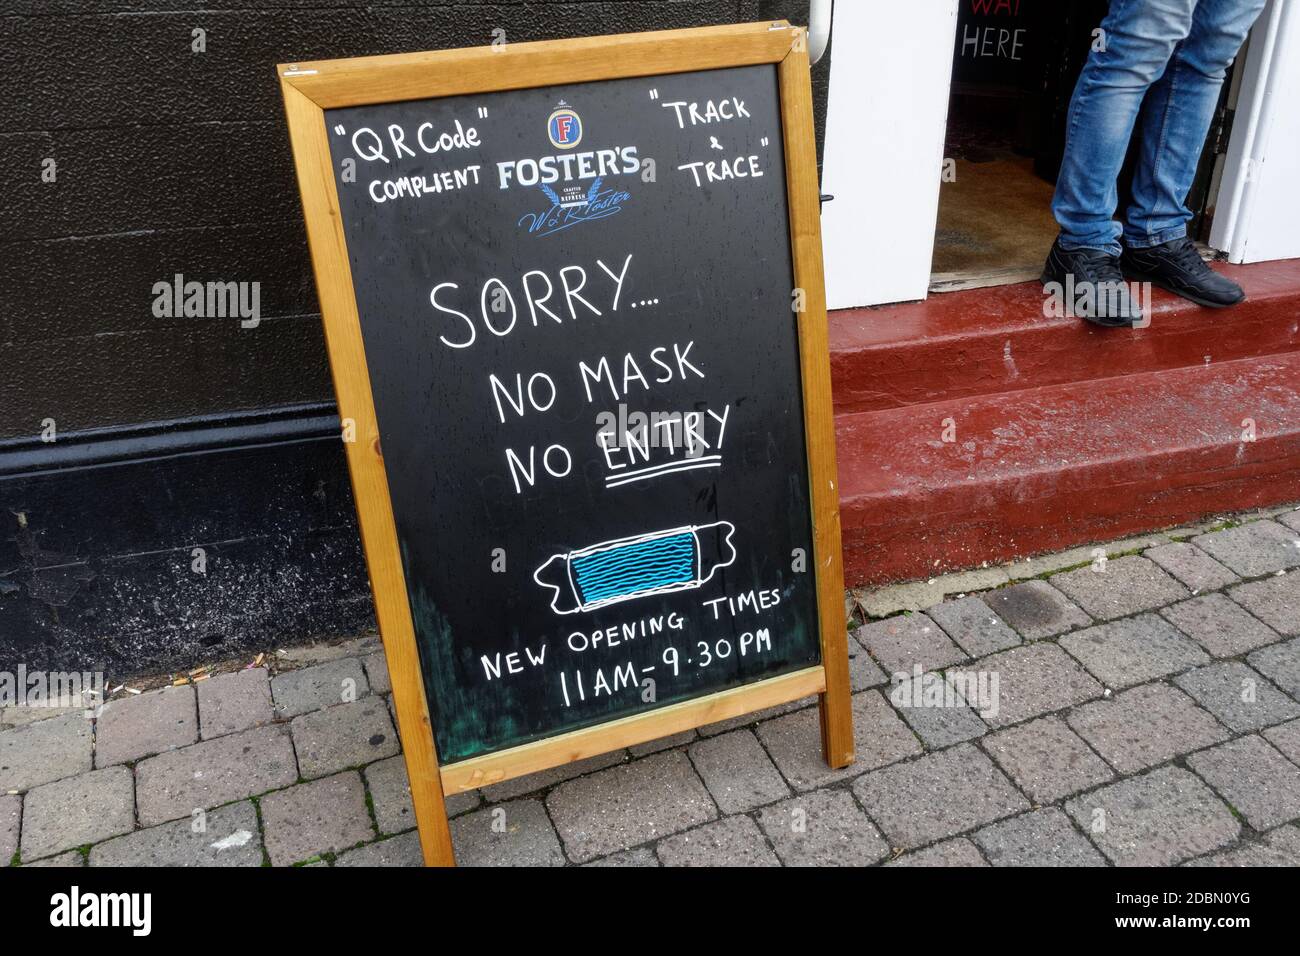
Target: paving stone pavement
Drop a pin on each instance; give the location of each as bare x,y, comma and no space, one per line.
227,836
1157,819
1145,726
234,702
1144,710
1040,838
10,820
345,735
938,795
135,727
320,816
1134,650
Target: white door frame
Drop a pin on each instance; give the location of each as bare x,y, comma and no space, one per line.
1258,203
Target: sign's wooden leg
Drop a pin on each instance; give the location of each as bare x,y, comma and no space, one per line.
431,818
836,703
814,356
421,756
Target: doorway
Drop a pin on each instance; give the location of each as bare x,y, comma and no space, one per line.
1015,64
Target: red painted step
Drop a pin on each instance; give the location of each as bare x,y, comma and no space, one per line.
1045,468
994,340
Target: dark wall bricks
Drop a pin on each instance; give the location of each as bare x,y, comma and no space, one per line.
173,161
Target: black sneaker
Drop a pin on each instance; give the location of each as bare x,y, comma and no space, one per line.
1092,285
1178,267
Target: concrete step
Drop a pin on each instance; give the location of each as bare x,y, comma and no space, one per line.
985,341
1085,459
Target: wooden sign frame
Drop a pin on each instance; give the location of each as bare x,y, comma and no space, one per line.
311,88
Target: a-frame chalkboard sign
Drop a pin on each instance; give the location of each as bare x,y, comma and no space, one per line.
576,289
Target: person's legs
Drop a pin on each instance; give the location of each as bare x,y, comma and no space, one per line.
1139,38
1176,118
1174,122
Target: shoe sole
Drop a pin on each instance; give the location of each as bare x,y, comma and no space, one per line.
1144,277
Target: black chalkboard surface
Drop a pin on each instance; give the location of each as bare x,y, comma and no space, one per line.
576,305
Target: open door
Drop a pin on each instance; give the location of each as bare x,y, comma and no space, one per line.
1256,215
890,74
945,129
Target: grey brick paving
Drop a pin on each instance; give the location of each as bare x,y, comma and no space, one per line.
44,751
641,856
1291,519
1157,819
11,812
1192,566
625,806
20,715
822,828
879,737
751,720
1085,554
399,851
1286,738
1254,778
665,743
1253,549
863,671
1041,838
1281,847
973,625
229,836
1219,625
1036,610
1238,696
346,735
958,852
1034,680
900,643
1127,586
229,703
733,841
1145,726
531,783
208,774
938,795
390,795
73,858
1275,601
1280,664
322,685
133,727
1046,759
938,782
737,771
1049,564
517,833
936,711
376,666
77,810
1134,650
320,816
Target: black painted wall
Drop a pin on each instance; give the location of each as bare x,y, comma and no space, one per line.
172,434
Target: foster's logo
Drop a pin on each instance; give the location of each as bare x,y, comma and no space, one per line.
564,127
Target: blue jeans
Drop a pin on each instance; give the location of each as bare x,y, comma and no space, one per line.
1163,66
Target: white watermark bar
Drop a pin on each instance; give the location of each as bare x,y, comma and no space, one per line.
53,689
